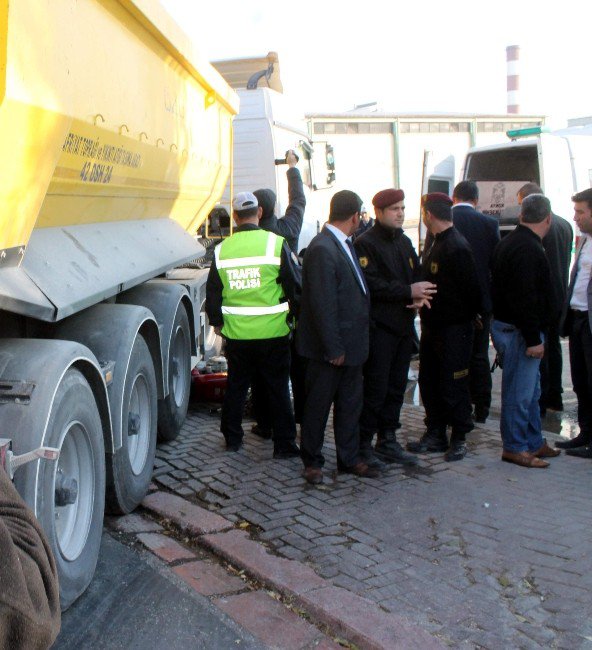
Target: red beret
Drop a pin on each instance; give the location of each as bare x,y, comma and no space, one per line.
387,197
437,197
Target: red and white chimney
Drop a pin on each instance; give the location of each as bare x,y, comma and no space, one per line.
513,77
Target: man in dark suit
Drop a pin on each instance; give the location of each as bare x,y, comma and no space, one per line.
333,334
482,233
557,244
577,323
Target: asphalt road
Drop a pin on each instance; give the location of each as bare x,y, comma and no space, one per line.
134,602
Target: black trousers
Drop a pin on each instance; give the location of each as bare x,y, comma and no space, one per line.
270,359
551,368
580,357
479,368
342,387
444,356
260,398
385,381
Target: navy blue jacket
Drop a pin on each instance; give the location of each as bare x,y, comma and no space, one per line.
482,233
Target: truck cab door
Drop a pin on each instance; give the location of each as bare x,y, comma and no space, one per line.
557,172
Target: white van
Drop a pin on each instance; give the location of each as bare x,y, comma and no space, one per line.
560,162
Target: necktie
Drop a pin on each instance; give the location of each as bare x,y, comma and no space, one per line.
356,264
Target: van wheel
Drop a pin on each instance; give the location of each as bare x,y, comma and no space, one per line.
71,491
172,410
130,469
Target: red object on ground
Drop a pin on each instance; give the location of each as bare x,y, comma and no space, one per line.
209,387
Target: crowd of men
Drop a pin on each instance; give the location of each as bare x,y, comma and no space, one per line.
341,323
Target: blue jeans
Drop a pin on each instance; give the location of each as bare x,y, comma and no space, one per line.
520,423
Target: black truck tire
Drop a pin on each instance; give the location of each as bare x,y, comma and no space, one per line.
172,410
71,491
130,467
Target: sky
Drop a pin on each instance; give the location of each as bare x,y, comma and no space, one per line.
421,56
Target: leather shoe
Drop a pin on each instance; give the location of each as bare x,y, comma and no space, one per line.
524,459
261,432
457,451
287,452
362,470
428,442
579,441
580,452
392,452
544,451
368,457
313,475
233,446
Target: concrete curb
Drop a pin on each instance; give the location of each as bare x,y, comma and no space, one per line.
357,619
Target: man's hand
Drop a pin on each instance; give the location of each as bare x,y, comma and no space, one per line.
291,158
536,351
418,303
338,362
423,290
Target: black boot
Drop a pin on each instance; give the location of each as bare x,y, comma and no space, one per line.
581,440
388,449
430,441
367,455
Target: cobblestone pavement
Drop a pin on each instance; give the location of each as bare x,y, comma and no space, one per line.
480,553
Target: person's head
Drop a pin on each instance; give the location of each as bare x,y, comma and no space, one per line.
466,192
245,208
344,211
364,216
527,190
389,208
535,213
583,210
436,211
267,200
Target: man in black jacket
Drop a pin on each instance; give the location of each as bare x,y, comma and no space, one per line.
446,333
289,227
557,243
333,336
521,310
482,233
392,272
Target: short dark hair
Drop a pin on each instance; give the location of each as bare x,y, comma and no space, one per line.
246,214
535,208
466,191
528,189
584,195
343,205
442,211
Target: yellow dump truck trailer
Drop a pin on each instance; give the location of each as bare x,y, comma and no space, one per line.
115,143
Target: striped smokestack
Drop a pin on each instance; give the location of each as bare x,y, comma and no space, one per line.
513,78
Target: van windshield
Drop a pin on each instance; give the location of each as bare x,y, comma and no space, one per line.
499,174
511,164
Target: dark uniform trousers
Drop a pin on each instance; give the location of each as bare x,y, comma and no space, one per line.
270,359
580,358
479,368
444,356
551,367
259,397
342,387
385,381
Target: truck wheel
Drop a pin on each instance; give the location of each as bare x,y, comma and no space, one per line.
71,491
131,466
172,410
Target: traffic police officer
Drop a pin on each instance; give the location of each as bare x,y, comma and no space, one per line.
446,332
289,227
251,285
392,271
